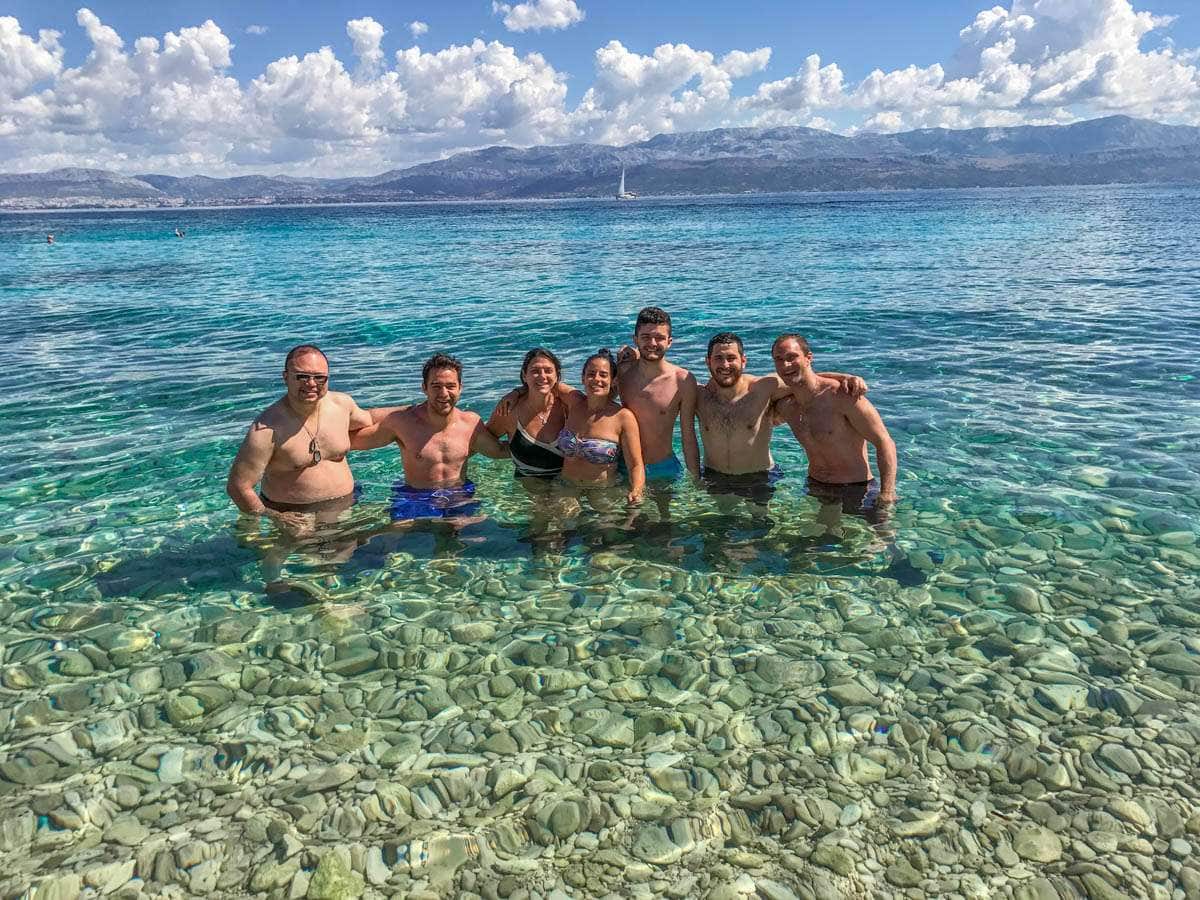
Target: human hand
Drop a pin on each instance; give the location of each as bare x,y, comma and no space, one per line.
508,403
634,497
849,384
297,524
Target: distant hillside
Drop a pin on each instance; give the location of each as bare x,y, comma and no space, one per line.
727,160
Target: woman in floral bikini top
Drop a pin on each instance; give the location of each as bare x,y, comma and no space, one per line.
598,430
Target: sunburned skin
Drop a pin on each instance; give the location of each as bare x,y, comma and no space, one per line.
277,448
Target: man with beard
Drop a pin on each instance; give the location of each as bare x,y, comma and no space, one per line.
436,439
736,413
834,431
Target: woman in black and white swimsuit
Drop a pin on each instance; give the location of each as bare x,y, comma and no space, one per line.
532,423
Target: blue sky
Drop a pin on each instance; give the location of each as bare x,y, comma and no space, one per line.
860,35
218,99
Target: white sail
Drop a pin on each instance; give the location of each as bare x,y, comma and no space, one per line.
623,194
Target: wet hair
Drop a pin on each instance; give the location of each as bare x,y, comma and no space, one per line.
539,353
302,350
653,315
605,354
440,361
792,336
726,337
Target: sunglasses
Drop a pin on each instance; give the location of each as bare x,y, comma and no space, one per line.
306,377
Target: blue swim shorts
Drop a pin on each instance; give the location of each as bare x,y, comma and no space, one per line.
433,503
668,469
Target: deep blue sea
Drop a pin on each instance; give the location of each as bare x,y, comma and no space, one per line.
1004,657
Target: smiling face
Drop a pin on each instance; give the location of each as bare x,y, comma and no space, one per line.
652,341
725,364
792,361
307,378
442,389
598,377
540,376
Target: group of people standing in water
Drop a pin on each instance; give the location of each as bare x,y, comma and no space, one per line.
617,429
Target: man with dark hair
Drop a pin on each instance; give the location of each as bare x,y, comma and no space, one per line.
653,390
435,439
297,447
736,413
834,430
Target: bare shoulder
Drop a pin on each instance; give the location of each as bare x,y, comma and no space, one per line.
625,416
342,400
269,419
469,419
404,415
858,404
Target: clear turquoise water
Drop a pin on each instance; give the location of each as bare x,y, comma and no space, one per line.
1033,352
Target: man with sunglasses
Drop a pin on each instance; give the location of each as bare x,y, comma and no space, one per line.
297,447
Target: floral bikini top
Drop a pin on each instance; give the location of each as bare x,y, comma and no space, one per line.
593,450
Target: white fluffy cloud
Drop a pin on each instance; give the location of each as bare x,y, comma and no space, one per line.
25,61
676,88
170,103
367,37
538,14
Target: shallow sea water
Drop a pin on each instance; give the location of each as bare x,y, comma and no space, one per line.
995,695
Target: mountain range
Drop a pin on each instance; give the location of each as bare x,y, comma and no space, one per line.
1116,149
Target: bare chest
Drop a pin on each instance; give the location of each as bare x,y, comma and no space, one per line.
819,423
326,441
449,447
740,416
650,401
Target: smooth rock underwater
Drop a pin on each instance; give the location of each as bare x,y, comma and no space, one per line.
994,696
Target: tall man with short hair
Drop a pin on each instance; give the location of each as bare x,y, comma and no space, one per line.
834,431
435,439
297,447
653,390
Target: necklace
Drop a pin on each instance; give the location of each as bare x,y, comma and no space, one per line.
539,420
313,447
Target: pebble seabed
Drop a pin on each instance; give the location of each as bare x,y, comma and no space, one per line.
1022,724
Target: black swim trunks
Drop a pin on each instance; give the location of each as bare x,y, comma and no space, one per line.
757,487
333,504
859,498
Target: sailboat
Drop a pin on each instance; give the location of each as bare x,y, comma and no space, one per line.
623,194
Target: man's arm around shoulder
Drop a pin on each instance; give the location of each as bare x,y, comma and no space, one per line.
483,441
379,433
359,417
